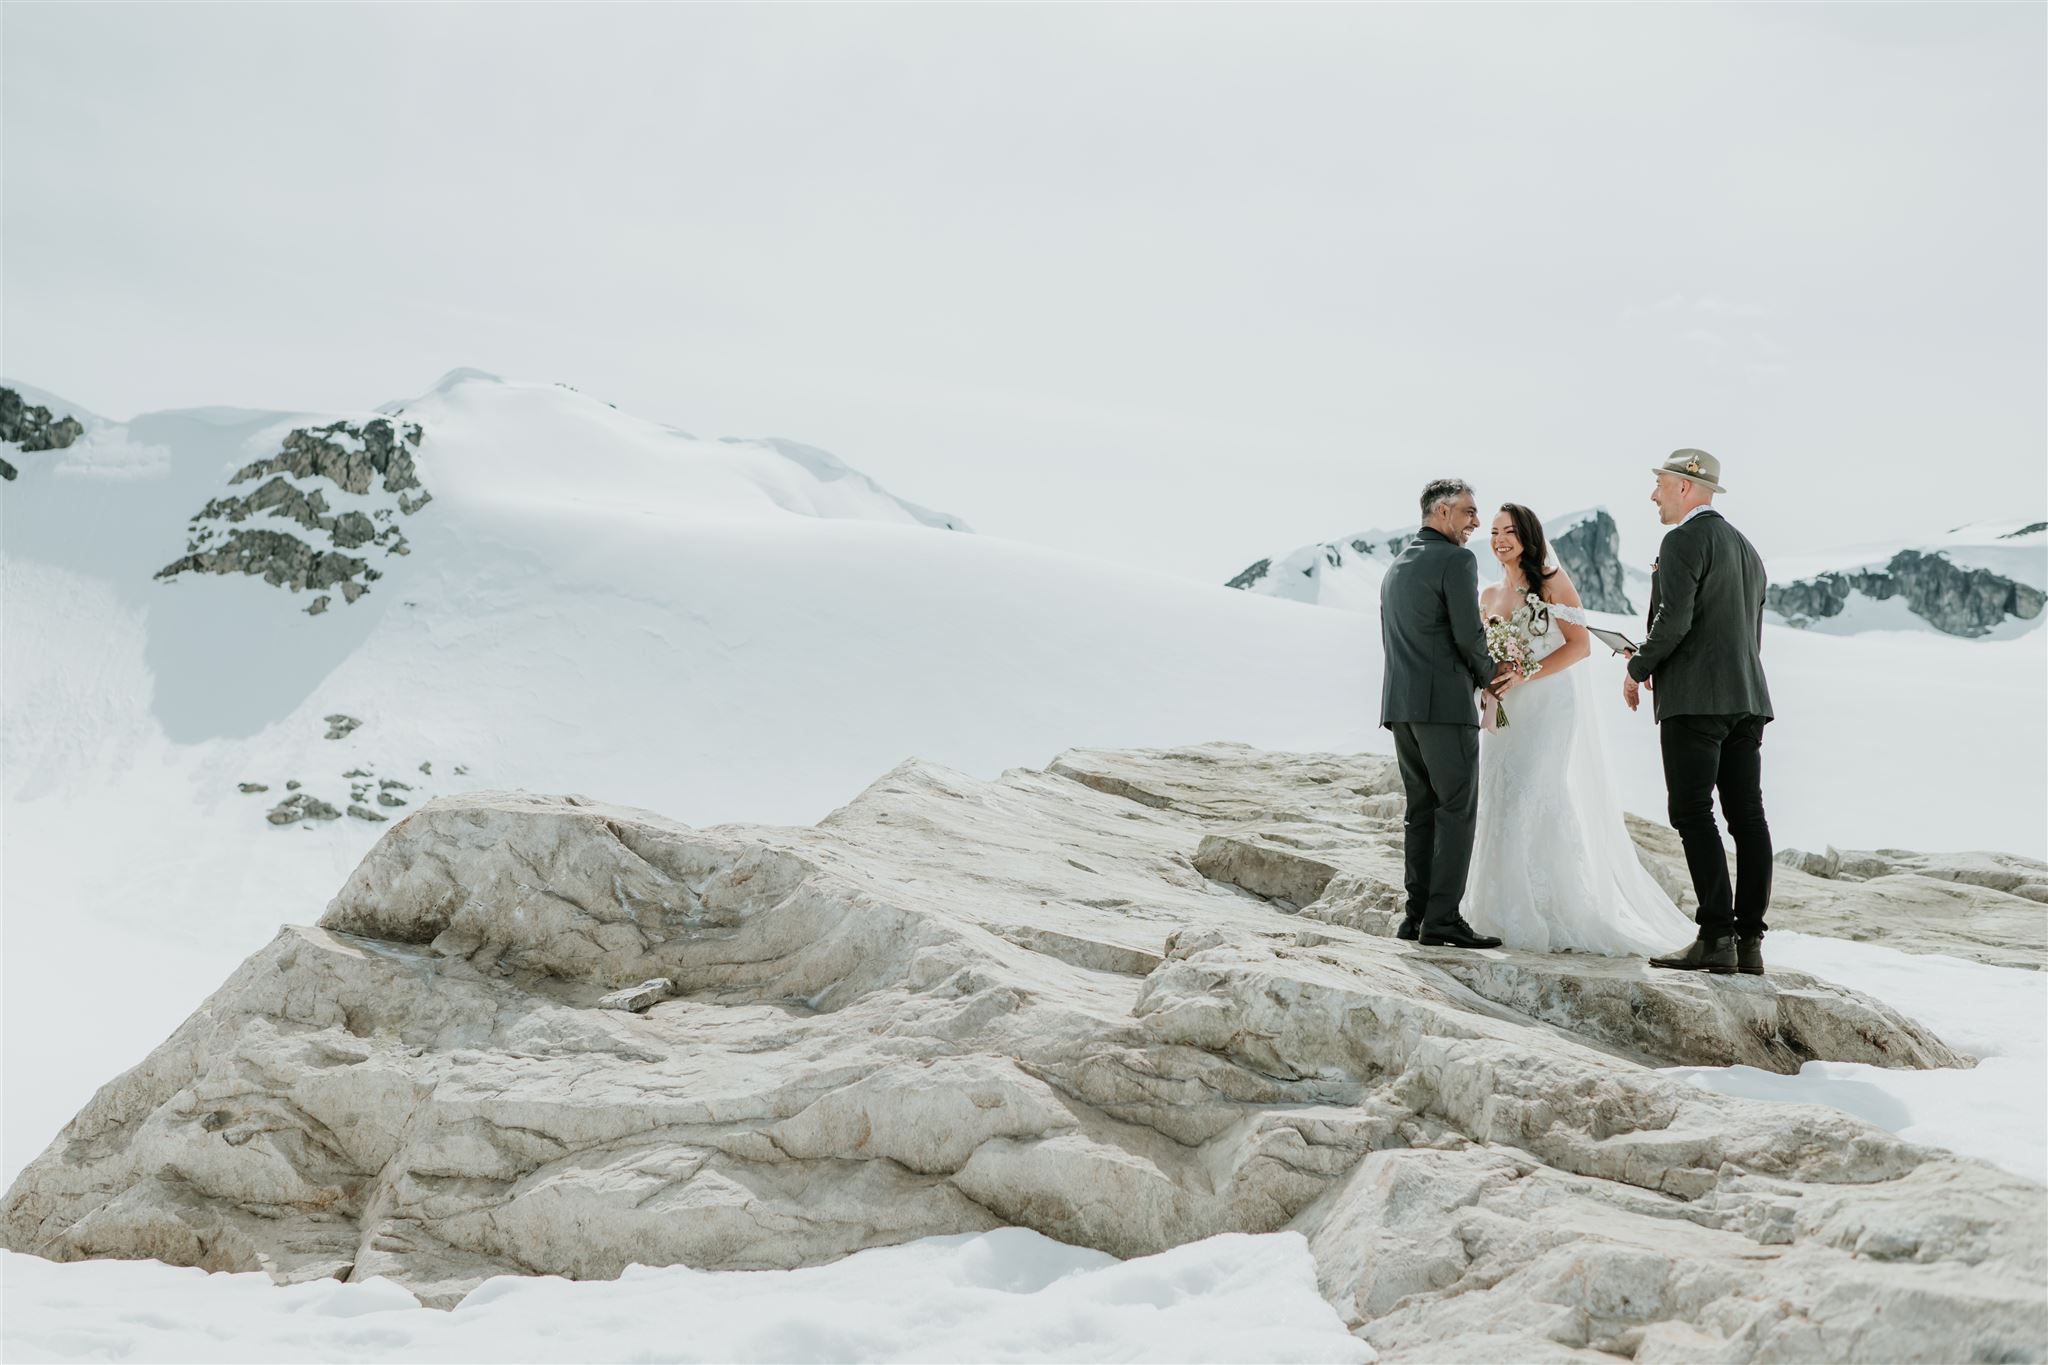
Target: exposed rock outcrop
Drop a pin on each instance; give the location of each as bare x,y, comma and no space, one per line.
2023,877
32,428
1072,1000
1589,548
1251,575
351,457
1956,599
1983,906
301,808
359,463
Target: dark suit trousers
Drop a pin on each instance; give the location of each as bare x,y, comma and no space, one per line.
1703,755
1440,772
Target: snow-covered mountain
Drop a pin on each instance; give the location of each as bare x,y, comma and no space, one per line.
1346,572
1985,581
1978,581
572,599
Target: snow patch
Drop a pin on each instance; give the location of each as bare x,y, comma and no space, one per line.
1007,1295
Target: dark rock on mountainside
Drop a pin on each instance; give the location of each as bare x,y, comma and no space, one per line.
281,560
33,428
1955,599
1590,551
317,452
357,461
1250,575
301,807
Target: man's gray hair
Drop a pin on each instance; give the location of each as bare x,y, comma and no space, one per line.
1438,491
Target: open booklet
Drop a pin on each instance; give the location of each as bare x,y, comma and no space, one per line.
1613,639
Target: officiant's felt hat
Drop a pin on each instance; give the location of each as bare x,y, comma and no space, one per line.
1702,468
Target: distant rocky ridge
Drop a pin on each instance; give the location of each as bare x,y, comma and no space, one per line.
32,428
1957,599
1132,1000
1587,545
355,460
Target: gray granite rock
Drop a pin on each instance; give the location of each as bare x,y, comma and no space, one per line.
955,1004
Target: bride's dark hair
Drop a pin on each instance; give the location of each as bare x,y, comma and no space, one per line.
1535,549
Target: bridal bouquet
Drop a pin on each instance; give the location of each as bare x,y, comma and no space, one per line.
1508,645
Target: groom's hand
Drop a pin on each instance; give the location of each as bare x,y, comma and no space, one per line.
1630,693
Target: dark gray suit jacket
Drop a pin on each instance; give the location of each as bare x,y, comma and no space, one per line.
1704,651
1430,630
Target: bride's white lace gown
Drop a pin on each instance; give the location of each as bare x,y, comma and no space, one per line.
1553,868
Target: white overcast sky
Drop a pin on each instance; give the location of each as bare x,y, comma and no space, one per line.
1175,286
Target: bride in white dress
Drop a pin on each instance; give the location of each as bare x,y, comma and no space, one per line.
1553,867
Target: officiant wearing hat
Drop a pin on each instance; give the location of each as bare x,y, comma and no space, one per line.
1702,662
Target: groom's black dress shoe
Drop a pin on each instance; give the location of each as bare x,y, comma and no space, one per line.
1410,930
1749,956
1716,955
1456,934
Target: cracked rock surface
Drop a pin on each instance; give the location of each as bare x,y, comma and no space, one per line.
1089,1001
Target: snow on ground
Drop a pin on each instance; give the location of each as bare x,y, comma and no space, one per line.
1996,1110
997,1296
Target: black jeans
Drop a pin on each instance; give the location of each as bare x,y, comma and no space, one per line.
1702,755
1440,773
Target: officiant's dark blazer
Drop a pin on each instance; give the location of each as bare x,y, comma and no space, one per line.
1434,641
1703,655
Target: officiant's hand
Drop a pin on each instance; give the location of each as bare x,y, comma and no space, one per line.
1630,693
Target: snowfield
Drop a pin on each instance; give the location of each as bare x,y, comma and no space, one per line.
1005,1295
750,631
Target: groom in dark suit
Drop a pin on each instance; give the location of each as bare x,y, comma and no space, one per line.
1436,662
1702,664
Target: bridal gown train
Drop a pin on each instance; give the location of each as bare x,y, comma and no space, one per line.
1553,867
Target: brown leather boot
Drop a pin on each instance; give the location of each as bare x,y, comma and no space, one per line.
1716,955
1749,956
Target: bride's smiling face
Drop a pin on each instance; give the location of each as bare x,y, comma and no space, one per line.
1507,546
